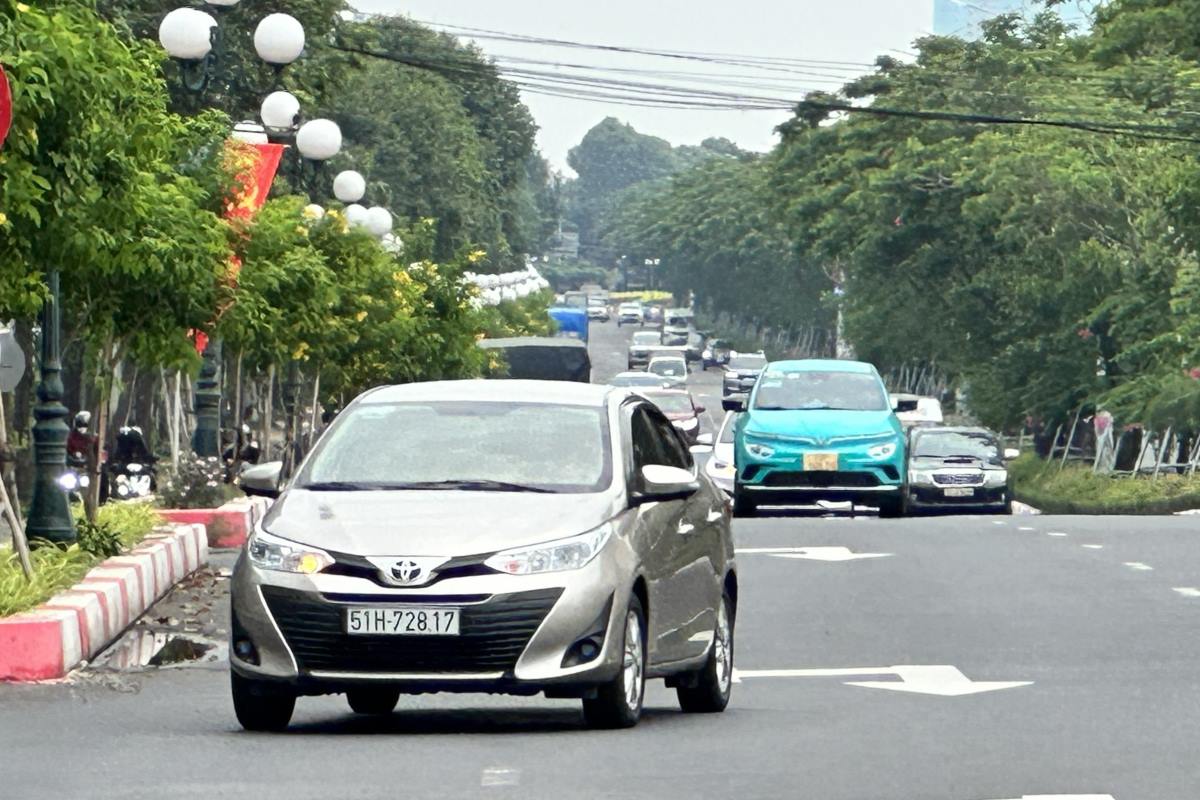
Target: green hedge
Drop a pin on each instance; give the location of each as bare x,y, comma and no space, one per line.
1076,490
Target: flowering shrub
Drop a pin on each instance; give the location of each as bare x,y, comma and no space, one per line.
199,483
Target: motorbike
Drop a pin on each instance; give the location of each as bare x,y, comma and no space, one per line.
130,468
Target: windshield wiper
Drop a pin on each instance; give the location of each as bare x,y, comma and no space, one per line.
480,485
342,486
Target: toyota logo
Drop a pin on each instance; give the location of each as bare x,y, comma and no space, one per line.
406,571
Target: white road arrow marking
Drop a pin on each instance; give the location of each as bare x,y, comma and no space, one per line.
1093,546
936,679
811,553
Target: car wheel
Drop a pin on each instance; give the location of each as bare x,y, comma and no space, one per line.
743,506
1008,504
373,701
261,705
710,690
618,703
892,507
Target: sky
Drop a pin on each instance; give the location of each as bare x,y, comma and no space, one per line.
821,30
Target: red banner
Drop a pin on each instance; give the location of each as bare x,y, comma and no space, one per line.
6,110
254,168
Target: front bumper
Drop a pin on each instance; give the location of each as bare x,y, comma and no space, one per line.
935,497
781,478
519,634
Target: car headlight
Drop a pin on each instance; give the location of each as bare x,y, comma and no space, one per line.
271,552
995,477
759,450
562,554
707,354
882,451
68,481
922,477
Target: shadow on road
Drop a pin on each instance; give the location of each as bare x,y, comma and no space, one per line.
460,721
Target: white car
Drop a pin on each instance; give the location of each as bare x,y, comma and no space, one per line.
631,313
719,466
670,368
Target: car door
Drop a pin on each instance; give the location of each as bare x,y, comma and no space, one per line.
656,539
695,552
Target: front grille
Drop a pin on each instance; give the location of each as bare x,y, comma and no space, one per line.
359,567
958,479
821,480
492,634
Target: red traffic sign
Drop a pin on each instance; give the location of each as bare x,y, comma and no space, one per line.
5,106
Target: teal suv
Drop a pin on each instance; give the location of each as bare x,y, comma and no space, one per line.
818,430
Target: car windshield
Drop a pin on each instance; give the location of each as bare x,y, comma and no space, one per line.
647,337
728,429
811,390
672,403
475,444
668,367
747,362
957,444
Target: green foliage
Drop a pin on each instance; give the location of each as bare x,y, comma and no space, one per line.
1074,489
118,527
524,317
198,483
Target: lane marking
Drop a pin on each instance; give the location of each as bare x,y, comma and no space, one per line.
810,553
1026,528
1093,546
1056,533
997,522
936,679
1064,797
1138,566
1187,591
500,776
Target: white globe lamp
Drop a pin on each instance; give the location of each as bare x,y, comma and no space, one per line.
279,39
250,132
319,139
349,186
356,215
379,221
314,212
279,111
186,34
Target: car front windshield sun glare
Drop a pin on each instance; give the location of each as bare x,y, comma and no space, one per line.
266,551
556,556
882,451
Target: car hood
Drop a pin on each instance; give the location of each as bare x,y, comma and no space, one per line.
433,523
821,425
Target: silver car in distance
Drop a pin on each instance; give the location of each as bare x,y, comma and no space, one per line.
489,536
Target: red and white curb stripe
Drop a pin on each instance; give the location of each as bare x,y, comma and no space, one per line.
229,525
52,639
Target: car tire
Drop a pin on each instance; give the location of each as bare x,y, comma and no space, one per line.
893,507
1007,508
373,701
261,705
708,692
618,703
743,506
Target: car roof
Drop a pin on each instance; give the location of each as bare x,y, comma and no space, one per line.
499,391
823,365
665,356
971,429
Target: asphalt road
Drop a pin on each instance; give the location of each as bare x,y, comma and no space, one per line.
1003,657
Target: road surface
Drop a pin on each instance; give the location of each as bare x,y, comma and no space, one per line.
956,658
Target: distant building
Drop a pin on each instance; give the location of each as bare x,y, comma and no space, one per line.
963,17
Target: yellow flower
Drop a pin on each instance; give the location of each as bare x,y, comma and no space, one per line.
3,218
303,231
22,7
299,352
360,316
476,256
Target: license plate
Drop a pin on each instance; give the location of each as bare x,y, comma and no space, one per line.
410,621
959,491
820,462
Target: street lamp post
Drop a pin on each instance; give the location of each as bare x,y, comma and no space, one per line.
195,39
50,511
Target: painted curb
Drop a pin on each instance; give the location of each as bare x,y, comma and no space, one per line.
228,525
49,641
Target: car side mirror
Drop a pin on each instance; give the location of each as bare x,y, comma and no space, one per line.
1011,453
660,482
262,480
699,409
734,402
704,438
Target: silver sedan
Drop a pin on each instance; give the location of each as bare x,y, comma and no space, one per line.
489,536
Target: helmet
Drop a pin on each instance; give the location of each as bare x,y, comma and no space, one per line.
82,420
